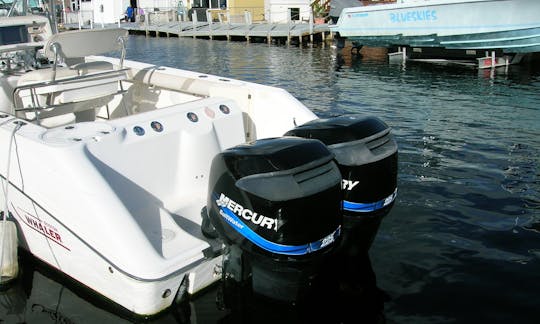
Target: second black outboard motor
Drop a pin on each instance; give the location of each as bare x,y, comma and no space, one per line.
366,154
276,205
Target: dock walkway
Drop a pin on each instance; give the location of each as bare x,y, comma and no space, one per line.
303,32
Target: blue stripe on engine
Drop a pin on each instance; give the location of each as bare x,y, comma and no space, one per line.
369,207
263,243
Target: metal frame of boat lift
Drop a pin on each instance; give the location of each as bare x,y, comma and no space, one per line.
489,61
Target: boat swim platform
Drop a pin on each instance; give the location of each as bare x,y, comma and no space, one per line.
269,32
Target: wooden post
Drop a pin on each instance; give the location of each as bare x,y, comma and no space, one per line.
247,17
404,54
194,19
289,26
79,19
311,26
228,14
247,23
209,20
146,23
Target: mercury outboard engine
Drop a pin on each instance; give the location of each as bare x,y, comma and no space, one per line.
276,205
366,154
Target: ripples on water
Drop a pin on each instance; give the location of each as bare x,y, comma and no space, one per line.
462,243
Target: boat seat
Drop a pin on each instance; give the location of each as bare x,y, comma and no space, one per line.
43,75
91,67
85,68
77,89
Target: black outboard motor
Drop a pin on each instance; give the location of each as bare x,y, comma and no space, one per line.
366,154
276,204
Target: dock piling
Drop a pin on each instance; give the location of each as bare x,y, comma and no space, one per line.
194,20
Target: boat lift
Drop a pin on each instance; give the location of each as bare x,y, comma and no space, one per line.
489,61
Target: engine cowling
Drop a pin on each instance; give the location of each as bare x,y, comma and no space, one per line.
367,156
276,205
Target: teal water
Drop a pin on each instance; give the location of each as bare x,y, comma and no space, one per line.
462,243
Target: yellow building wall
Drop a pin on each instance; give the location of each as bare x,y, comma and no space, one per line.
256,7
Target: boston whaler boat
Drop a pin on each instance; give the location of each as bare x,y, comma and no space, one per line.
509,26
147,184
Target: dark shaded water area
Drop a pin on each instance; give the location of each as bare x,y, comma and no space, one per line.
462,243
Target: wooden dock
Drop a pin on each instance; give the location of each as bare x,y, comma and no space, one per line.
267,32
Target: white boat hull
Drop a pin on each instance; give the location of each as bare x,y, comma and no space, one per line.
510,25
120,211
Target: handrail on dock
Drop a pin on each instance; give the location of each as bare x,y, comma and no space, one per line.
218,23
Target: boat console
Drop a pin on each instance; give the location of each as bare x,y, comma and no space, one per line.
21,49
21,43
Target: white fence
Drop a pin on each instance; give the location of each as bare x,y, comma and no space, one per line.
156,16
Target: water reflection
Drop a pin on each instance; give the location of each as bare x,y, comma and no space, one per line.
42,295
38,296
338,296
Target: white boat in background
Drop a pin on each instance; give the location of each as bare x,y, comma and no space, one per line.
135,179
512,26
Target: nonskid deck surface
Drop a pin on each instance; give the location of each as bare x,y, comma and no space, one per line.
162,172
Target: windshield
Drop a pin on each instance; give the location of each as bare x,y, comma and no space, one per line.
45,8
4,7
23,8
